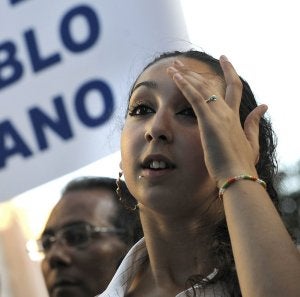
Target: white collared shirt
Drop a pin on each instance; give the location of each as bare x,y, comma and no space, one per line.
133,262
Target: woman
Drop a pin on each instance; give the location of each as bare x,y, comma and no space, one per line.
197,155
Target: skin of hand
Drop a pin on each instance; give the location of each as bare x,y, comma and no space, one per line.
228,149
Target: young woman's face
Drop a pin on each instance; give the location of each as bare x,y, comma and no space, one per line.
162,157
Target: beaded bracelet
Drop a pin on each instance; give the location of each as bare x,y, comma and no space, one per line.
232,180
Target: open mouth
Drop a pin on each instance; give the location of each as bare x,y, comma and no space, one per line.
158,163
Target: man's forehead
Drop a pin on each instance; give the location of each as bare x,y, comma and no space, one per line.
83,205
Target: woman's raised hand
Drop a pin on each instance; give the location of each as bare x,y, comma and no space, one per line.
229,149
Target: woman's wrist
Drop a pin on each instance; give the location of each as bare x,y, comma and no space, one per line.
231,180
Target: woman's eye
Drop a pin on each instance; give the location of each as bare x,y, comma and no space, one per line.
139,110
187,112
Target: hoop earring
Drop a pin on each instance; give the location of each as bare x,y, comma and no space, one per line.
119,193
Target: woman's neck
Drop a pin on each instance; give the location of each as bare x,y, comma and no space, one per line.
178,248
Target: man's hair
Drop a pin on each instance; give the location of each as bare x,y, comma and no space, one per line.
124,218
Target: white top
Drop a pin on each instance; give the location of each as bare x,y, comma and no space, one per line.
133,262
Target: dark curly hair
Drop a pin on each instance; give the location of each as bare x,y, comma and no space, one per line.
266,168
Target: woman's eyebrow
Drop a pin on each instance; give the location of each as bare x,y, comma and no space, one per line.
147,83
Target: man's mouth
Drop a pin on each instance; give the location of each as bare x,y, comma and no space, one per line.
64,284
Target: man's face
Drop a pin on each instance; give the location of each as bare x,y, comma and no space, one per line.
84,270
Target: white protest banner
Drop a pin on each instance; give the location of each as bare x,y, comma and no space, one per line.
65,71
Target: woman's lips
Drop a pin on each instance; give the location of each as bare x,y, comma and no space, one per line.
157,162
153,173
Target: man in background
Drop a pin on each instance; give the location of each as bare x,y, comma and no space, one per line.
86,236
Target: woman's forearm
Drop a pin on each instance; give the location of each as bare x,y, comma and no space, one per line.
267,261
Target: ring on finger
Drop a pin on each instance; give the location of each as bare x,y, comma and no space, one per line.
211,99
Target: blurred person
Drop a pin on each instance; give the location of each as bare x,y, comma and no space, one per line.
85,238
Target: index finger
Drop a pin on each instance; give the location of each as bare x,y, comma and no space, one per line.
234,86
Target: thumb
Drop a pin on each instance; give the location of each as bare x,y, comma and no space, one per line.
251,128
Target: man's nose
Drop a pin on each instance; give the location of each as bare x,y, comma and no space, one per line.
58,254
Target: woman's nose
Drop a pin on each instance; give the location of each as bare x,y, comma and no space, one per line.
159,128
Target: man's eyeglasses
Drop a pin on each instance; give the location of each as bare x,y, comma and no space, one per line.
77,235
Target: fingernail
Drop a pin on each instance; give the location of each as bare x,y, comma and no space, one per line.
177,76
265,108
171,70
224,58
178,63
